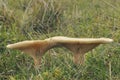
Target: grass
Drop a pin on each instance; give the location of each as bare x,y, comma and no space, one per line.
40,19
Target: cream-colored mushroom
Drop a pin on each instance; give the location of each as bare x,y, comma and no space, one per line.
79,46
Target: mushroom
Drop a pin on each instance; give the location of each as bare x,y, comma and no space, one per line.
79,46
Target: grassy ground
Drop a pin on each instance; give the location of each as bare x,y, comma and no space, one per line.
40,19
